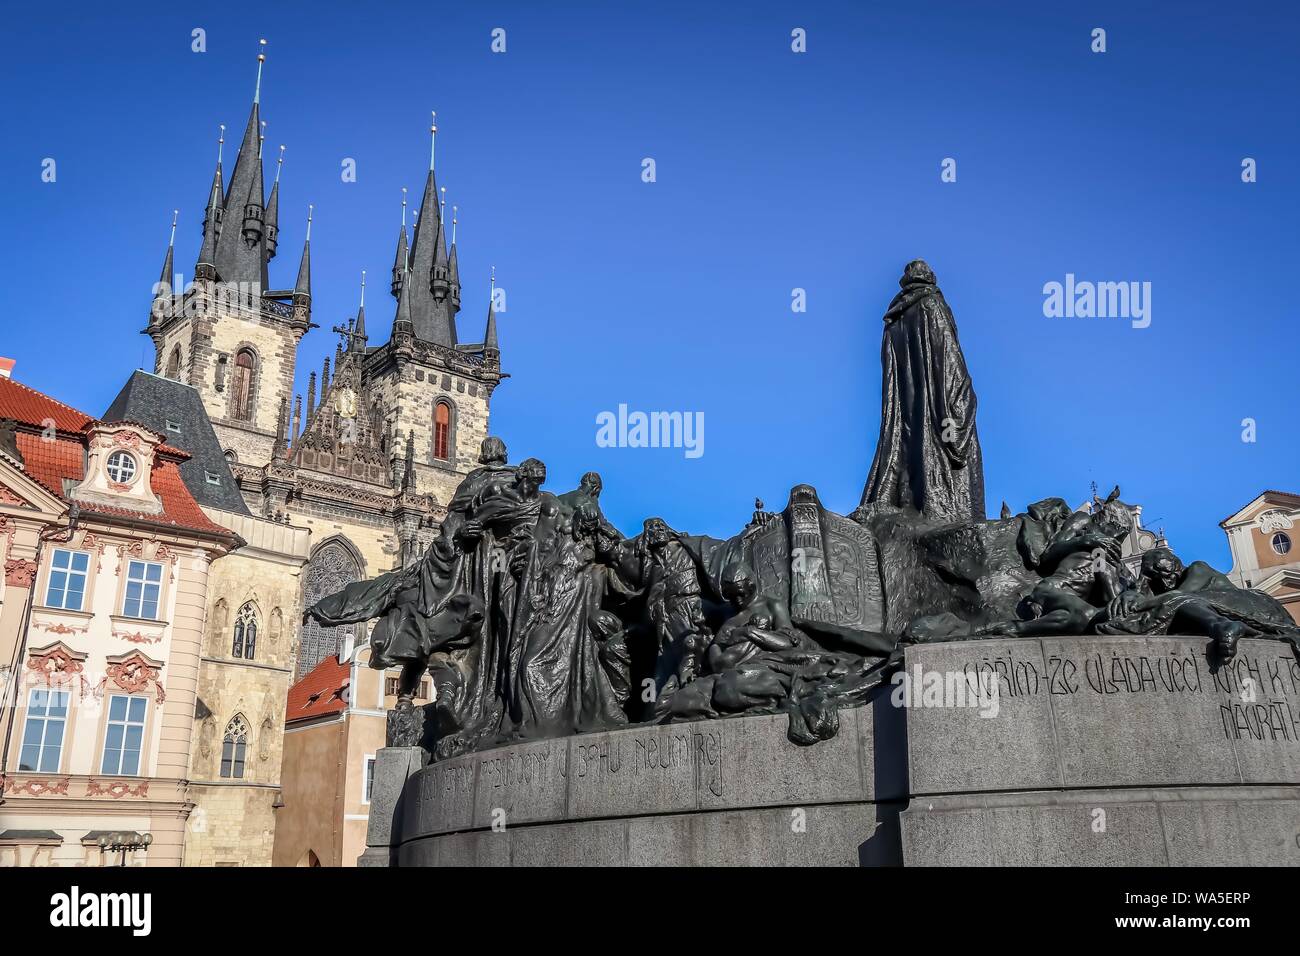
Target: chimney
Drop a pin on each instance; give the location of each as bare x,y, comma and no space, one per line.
7,367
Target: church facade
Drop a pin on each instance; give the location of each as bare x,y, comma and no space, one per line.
343,484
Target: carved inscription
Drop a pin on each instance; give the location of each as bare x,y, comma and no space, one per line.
652,755
1258,692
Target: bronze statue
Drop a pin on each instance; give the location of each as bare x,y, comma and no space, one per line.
928,454
536,617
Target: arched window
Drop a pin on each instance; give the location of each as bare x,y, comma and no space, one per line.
245,642
333,566
174,364
234,746
242,383
442,431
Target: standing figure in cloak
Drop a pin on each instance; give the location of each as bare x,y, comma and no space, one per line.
675,606
565,683
928,456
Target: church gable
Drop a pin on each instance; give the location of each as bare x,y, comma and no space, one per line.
345,436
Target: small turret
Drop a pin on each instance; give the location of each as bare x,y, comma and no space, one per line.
400,260
273,210
302,288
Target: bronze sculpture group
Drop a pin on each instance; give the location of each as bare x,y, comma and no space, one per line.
536,617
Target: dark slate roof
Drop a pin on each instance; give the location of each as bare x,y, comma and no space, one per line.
153,401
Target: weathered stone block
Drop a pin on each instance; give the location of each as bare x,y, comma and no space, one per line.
393,767
521,784
958,741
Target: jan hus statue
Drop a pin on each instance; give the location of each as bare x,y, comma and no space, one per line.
928,456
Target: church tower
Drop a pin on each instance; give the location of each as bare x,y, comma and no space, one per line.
230,334
436,390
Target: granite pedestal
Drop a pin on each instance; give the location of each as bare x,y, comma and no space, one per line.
1089,750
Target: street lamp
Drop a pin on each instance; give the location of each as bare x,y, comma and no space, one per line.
124,841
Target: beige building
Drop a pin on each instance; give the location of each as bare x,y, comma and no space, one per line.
107,561
1264,538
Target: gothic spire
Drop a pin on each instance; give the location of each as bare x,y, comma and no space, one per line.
240,251
169,268
273,210
400,260
430,313
302,288
358,339
453,270
207,264
490,344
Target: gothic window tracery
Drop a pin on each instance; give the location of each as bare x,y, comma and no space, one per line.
331,568
244,644
234,747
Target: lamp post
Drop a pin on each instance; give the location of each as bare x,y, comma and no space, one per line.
123,842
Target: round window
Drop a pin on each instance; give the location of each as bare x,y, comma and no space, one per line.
1281,543
121,467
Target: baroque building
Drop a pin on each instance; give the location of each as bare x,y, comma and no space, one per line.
108,561
1265,544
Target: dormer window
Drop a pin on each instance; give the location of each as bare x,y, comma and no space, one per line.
121,467
173,426
213,478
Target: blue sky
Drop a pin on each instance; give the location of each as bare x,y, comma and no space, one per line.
775,171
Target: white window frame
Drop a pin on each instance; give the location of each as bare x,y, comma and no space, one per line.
367,778
46,720
123,457
67,573
126,723
144,583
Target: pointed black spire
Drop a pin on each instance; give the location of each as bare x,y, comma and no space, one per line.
491,349
206,267
240,250
430,314
169,263
453,270
401,260
302,288
358,338
273,210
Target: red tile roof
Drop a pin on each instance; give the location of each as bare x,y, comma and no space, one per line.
49,462
321,692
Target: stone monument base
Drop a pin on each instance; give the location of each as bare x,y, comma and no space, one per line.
1087,750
